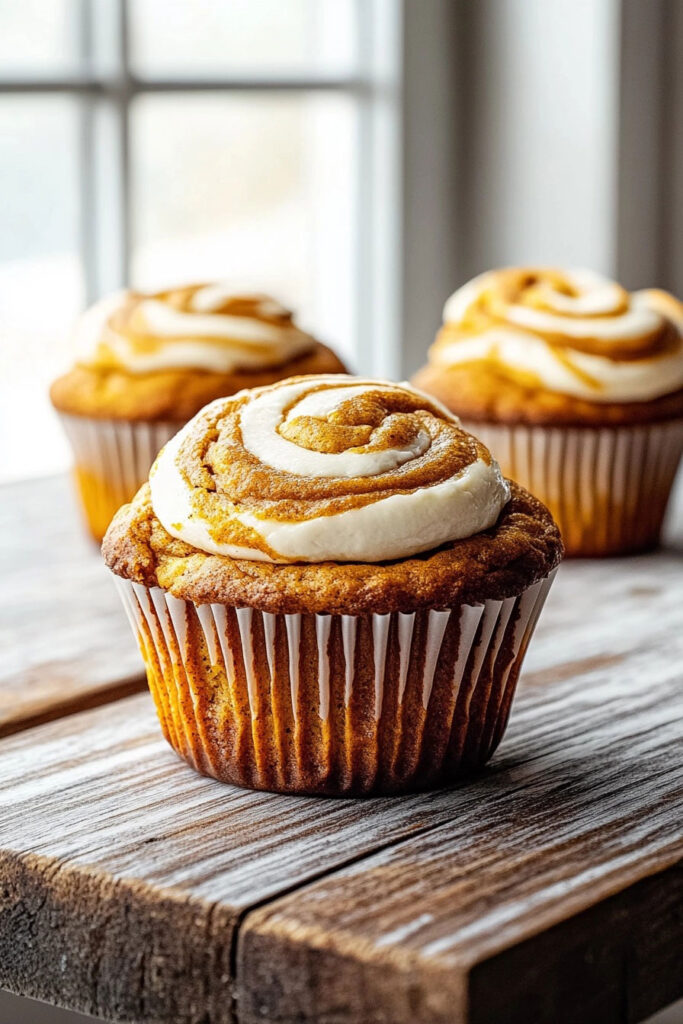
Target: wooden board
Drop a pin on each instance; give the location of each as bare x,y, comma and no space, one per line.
555,891
64,640
136,890
113,850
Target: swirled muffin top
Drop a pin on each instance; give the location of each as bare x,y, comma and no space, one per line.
200,327
166,354
529,342
330,493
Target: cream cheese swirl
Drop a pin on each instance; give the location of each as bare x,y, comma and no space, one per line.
202,327
569,331
325,468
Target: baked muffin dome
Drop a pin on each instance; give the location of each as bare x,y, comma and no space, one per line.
540,345
576,386
331,494
148,363
163,356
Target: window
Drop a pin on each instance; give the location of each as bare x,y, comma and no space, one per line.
155,141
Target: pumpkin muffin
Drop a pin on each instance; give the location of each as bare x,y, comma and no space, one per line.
333,588
148,362
576,386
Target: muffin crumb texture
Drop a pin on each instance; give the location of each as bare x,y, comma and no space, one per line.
523,547
172,394
480,393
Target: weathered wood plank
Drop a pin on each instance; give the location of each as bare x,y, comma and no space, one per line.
125,879
64,640
124,874
555,891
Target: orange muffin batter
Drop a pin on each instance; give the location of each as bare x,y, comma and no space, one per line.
149,362
576,385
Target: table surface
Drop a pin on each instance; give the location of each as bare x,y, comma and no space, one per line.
548,888
64,638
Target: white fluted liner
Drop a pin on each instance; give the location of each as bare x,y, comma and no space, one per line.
112,460
607,487
325,703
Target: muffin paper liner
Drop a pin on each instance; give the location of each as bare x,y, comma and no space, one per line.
607,487
112,460
336,704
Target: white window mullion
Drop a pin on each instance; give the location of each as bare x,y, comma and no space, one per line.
86,185
379,345
107,201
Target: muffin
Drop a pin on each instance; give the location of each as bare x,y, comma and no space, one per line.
148,363
333,588
576,386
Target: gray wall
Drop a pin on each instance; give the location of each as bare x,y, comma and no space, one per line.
539,131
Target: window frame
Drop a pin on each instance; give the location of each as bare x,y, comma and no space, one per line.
110,87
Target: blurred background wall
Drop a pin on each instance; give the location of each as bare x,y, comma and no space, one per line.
359,158
570,139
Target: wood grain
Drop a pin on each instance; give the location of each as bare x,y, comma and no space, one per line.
65,643
124,874
135,890
554,892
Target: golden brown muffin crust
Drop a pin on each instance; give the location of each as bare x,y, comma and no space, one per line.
174,395
480,394
522,548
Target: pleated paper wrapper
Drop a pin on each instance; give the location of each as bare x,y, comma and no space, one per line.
112,461
606,487
335,704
